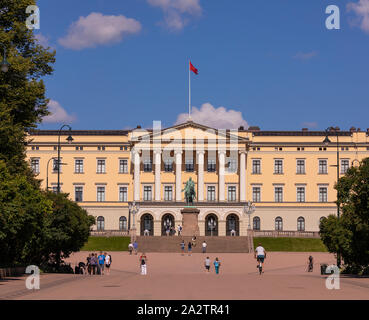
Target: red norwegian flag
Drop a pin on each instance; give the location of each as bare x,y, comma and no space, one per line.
193,69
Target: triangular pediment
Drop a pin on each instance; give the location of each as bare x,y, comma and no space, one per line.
187,131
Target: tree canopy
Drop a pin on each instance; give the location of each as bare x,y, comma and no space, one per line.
349,235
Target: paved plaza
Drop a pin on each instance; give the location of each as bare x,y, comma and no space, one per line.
173,276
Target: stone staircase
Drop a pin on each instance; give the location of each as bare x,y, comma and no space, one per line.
172,244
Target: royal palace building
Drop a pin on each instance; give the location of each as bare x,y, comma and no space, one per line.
288,175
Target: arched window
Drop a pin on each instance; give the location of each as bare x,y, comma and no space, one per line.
100,223
300,224
147,223
232,223
123,224
256,223
278,224
211,225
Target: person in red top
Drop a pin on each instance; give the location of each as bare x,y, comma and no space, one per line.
143,263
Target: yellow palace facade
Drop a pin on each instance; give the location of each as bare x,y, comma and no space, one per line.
288,175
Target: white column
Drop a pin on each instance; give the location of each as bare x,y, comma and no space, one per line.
178,175
157,155
242,175
136,176
221,156
200,176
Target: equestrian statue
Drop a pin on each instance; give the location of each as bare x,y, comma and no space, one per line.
190,193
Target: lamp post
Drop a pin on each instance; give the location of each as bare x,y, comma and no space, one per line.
4,64
69,139
327,142
133,208
54,169
249,209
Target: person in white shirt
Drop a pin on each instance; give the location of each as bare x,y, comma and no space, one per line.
108,261
207,264
260,255
204,245
179,229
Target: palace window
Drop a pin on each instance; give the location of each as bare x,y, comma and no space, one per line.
78,166
35,165
100,223
147,193
101,148
278,166
189,165
256,223
79,148
55,165
256,194
123,194
323,167
100,194
123,166
345,164
256,166
168,165
147,165
323,194
100,166
300,166
232,193
211,165
211,193
232,165
300,194
78,194
300,224
168,193
278,194
123,224
278,224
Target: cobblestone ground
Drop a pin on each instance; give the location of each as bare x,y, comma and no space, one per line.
173,276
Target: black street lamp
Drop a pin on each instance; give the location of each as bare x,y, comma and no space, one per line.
69,139
4,64
327,142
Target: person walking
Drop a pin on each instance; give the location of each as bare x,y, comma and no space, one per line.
101,259
189,248
130,248
182,247
143,263
89,264
108,262
207,264
93,262
310,264
135,246
216,265
204,245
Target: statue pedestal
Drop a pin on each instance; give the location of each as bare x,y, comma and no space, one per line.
190,223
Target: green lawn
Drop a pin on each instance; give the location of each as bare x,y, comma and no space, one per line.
291,244
106,244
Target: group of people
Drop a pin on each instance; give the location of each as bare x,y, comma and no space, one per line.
133,247
191,244
96,264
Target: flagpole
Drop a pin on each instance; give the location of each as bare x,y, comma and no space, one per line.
189,91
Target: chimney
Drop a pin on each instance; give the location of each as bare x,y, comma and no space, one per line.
138,127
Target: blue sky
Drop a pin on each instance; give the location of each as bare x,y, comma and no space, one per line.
272,61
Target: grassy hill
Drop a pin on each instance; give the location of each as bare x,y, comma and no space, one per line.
291,244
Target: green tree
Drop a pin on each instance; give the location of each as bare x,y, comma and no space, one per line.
22,90
67,228
23,213
349,235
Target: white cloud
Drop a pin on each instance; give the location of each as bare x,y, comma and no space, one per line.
177,12
42,40
219,118
98,29
361,10
310,125
58,114
305,55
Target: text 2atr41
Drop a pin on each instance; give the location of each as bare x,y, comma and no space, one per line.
191,309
